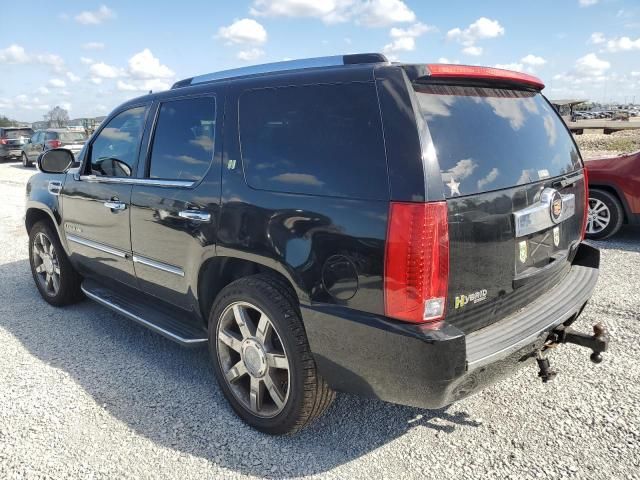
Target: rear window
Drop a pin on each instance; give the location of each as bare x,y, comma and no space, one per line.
25,132
316,139
487,139
71,137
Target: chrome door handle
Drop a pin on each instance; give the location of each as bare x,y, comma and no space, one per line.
115,205
195,215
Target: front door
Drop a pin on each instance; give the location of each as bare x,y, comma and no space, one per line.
174,205
96,202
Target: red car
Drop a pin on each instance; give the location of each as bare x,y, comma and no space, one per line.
614,194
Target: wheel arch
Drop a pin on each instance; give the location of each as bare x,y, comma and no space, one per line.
218,272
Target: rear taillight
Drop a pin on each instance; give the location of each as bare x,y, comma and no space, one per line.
585,216
3,141
416,271
54,143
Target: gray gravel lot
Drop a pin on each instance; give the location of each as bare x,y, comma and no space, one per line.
85,393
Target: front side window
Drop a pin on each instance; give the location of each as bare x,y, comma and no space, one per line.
114,151
184,139
315,139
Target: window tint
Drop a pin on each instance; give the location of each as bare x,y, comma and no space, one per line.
488,139
50,136
114,152
319,139
183,140
34,138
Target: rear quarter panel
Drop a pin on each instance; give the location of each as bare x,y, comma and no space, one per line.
621,173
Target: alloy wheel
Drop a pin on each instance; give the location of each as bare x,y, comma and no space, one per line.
46,264
599,216
253,359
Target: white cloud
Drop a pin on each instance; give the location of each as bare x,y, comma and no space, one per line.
57,83
16,54
371,13
95,17
93,46
533,60
96,80
488,178
244,31
404,38
483,28
472,50
623,44
86,60
250,54
591,66
102,70
144,65
124,86
635,74
597,38
380,13
73,77
447,60
43,90
518,67
155,84
587,3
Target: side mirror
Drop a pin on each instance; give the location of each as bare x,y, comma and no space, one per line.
56,160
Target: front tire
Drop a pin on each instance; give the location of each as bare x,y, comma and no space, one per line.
262,358
56,279
605,215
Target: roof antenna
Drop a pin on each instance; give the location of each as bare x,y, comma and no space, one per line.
150,92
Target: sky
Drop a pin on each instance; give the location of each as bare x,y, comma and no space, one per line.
88,57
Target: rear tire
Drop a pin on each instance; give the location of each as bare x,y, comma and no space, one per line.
25,160
246,357
56,279
605,215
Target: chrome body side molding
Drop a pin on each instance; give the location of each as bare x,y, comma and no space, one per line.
97,246
158,265
138,181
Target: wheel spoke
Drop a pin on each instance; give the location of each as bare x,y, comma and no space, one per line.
256,393
56,270
601,222
40,268
236,372
55,282
243,321
229,340
277,360
274,393
264,328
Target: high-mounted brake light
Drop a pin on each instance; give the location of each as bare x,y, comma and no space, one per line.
485,73
416,271
585,216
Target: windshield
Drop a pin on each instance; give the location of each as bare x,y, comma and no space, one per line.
488,138
23,132
71,137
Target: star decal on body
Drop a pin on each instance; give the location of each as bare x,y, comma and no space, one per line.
454,186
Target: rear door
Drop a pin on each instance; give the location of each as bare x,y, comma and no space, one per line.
175,203
96,203
515,194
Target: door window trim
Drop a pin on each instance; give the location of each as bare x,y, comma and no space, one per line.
96,134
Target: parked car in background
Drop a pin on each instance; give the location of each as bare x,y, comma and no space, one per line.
329,224
614,194
44,140
11,141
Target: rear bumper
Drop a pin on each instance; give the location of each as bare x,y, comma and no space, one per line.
408,364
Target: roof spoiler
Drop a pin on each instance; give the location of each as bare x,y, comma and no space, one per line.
471,72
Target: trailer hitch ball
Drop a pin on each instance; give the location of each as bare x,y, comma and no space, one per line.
596,357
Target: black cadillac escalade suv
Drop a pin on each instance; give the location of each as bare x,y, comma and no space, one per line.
407,232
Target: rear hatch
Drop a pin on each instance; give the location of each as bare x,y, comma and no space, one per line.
73,141
17,137
514,188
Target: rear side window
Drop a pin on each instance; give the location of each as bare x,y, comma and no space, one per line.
317,139
487,139
50,136
184,139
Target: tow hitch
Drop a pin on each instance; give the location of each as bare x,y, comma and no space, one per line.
598,343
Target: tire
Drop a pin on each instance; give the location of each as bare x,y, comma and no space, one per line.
303,395
25,160
64,291
605,215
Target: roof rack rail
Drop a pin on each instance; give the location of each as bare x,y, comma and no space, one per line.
317,62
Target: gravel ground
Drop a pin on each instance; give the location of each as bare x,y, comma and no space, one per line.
85,393
594,145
